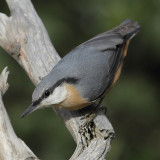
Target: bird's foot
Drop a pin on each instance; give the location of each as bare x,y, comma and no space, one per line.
90,117
103,108
100,108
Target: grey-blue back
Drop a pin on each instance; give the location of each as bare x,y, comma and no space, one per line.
93,63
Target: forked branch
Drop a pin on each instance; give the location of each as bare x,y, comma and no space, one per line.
25,38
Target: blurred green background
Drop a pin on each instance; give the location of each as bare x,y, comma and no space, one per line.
133,104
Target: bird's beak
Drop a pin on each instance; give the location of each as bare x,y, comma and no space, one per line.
29,110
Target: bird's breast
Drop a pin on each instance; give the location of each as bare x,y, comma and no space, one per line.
74,100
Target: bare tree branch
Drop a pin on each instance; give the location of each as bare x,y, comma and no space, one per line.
25,38
11,147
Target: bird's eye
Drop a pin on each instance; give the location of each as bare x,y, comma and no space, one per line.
46,93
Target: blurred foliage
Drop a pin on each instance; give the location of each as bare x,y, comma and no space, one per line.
133,104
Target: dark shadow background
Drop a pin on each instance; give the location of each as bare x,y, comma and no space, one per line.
133,104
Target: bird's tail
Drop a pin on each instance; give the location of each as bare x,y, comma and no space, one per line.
127,29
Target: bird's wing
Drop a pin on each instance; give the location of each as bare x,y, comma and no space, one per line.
113,44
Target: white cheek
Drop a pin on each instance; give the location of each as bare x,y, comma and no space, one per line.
58,95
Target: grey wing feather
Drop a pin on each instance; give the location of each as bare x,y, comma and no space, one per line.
98,62
94,62
108,48
99,42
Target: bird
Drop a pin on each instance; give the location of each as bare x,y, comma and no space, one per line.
87,73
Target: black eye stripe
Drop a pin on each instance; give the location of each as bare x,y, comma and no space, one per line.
36,102
70,80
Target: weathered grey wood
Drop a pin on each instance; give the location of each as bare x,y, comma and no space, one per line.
25,38
11,147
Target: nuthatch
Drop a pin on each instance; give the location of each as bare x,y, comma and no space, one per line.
87,73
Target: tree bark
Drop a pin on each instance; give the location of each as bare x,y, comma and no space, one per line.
11,147
25,38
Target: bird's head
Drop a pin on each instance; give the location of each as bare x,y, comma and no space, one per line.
48,93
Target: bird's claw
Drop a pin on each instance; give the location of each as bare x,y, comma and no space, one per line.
90,117
103,108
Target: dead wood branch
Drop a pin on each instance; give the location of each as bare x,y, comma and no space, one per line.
25,38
